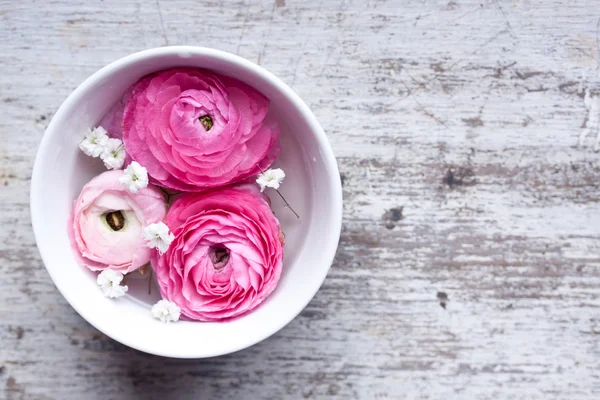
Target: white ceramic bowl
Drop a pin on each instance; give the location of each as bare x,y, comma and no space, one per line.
312,186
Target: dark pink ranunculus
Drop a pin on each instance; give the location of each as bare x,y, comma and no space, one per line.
193,129
113,119
227,254
106,224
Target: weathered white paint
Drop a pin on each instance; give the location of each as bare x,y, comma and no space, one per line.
465,113
592,104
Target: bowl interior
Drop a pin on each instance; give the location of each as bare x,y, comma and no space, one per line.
312,187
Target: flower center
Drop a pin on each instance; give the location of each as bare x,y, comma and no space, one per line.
219,257
115,219
206,122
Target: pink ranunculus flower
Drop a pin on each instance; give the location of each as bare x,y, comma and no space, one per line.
107,222
227,254
113,119
193,129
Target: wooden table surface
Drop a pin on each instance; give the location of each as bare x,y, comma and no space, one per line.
469,262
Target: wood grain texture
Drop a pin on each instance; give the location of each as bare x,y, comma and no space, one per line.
469,263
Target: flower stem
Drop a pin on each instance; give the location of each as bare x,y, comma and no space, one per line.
287,204
150,281
167,194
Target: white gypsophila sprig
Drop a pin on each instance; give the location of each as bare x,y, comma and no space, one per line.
166,311
110,283
135,177
158,237
94,141
270,178
113,154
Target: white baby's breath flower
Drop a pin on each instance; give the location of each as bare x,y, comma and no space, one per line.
110,283
166,311
94,142
135,177
113,154
158,236
270,178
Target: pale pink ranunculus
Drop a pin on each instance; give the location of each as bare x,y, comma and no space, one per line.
227,254
120,247
193,129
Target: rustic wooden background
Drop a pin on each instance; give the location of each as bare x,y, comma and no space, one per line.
469,262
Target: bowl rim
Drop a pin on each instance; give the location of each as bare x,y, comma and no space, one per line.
147,55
